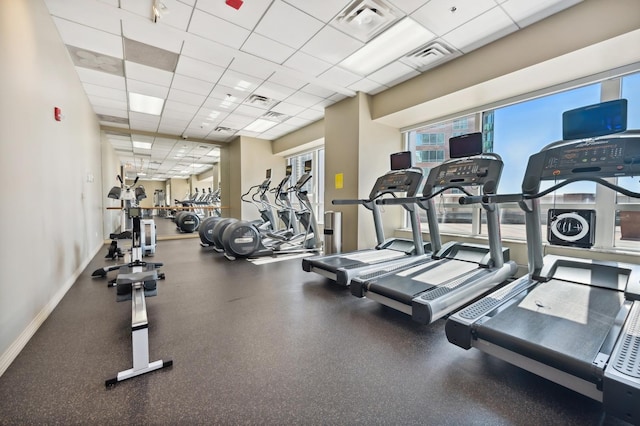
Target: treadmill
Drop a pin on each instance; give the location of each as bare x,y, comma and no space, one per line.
343,267
458,272
573,321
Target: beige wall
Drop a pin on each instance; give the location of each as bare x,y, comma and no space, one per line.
60,227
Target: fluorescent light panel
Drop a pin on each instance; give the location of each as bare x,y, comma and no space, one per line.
145,104
401,38
142,145
260,125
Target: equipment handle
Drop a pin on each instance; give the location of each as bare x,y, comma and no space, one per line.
475,199
398,201
347,202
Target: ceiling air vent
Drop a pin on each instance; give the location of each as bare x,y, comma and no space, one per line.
429,55
112,119
261,101
364,19
221,129
275,116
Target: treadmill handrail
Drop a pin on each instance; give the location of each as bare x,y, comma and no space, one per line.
408,200
514,198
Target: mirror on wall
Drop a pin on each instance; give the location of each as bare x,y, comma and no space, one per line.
177,175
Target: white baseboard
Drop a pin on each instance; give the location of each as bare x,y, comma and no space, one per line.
14,349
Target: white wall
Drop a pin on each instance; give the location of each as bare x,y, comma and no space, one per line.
51,223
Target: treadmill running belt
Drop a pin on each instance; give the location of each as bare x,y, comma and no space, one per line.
558,323
404,288
375,255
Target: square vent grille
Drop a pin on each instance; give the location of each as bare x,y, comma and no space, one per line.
275,116
261,101
221,129
429,55
364,19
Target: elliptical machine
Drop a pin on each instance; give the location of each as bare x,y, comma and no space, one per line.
244,239
256,195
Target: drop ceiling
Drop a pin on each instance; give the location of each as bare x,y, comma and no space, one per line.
263,70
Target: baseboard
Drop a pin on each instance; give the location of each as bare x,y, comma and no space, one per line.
16,347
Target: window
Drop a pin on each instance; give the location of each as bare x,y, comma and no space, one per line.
315,186
451,216
627,233
523,129
519,130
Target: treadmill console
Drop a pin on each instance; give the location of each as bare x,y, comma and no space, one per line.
480,170
602,158
407,181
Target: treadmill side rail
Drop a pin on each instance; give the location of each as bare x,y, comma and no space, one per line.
459,326
621,389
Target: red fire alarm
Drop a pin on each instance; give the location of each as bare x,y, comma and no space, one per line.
57,113
234,3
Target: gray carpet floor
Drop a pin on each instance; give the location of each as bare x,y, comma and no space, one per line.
266,344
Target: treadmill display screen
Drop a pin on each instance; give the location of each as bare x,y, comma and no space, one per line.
288,171
307,166
465,145
595,120
401,160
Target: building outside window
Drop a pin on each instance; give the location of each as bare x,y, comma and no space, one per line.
315,186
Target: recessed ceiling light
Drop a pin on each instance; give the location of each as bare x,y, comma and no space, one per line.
401,38
142,145
145,104
260,125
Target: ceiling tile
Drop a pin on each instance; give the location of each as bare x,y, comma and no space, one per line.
152,56
198,69
482,30
438,17
311,114
287,108
250,111
266,48
288,25
173,106
324,10
274,91
317,90
98,101
239,82
286,80
193,85
148,74
339,76
254,67
331,45
143,88
100,78
247,16
145,31
89,38
300,122
303,99
91,14
186,97
527,12
217,29
207,51
307,64
409,6
391,73
96,61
